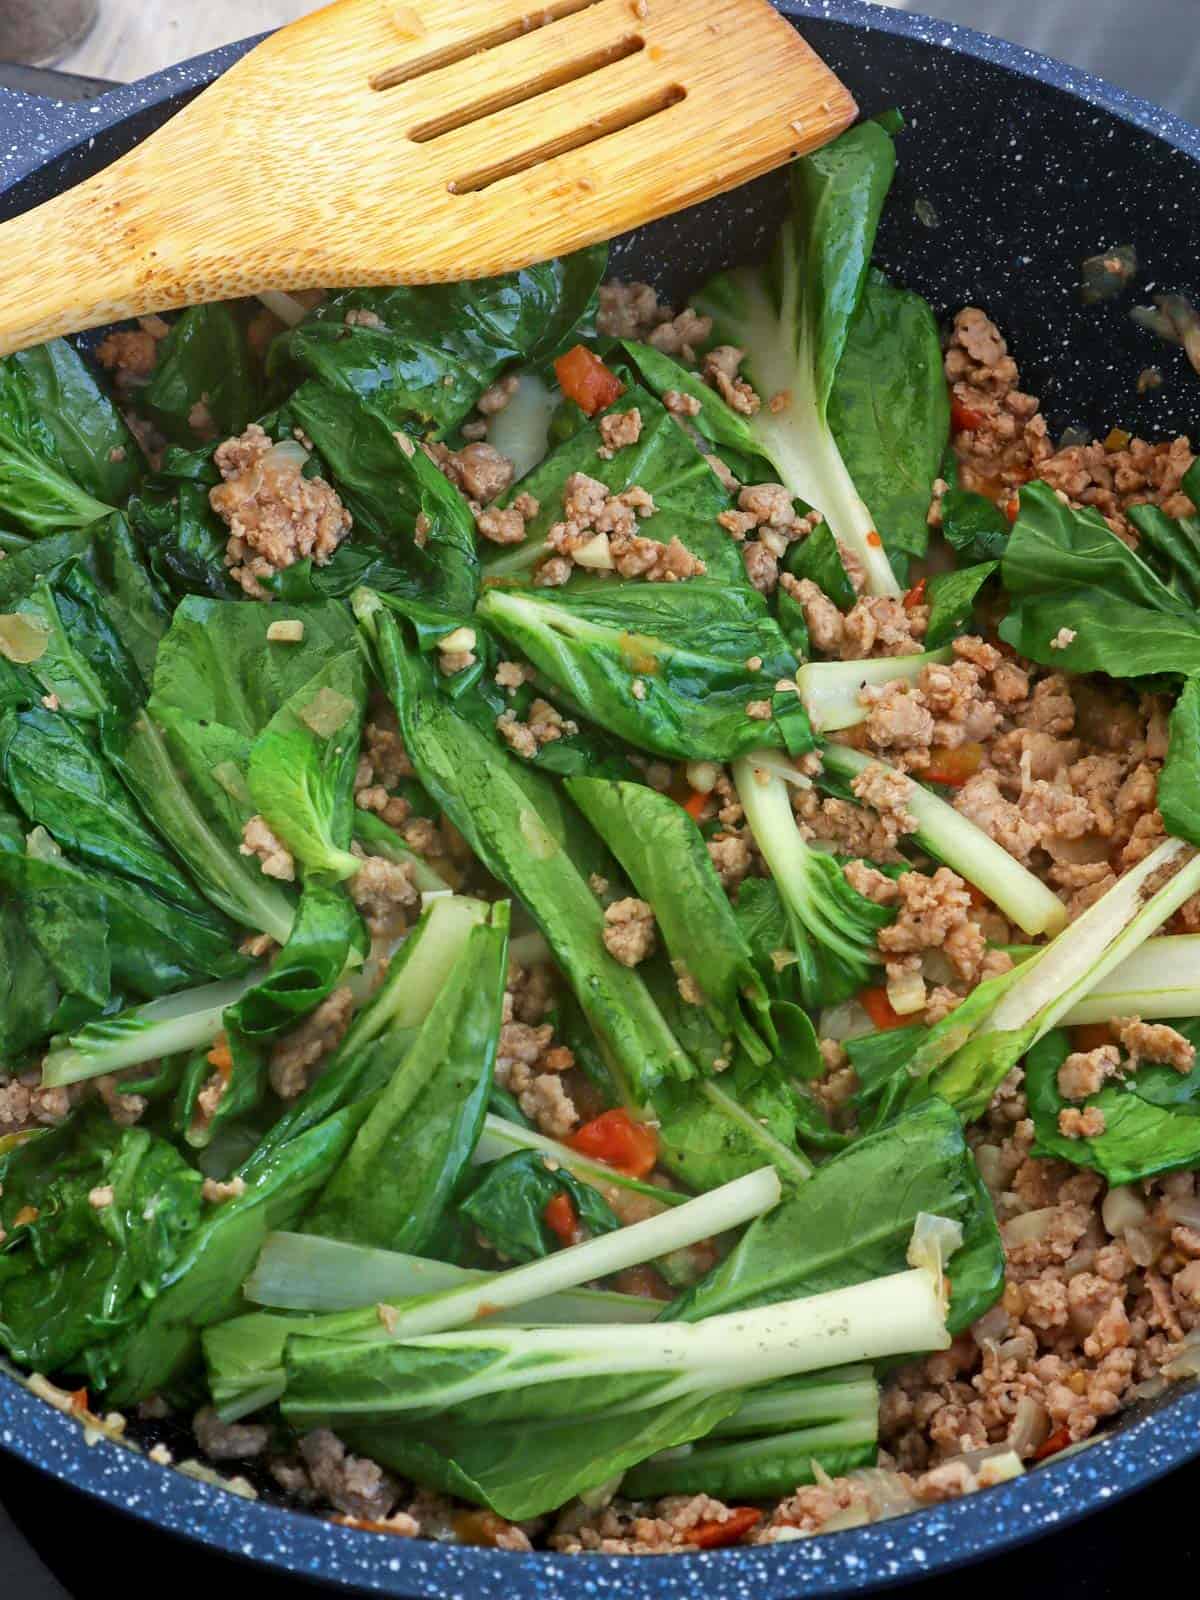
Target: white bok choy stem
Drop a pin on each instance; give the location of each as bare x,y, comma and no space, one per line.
716,1212
306,1272
1160,979
830,689
948,835
893,1315
796,437
1107,933
184,1021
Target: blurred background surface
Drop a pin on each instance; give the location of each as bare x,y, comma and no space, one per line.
1151,47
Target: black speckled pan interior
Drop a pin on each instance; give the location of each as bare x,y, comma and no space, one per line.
1023,167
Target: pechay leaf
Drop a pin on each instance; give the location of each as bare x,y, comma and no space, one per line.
303,1272
663,666
28,989
525,1469
205,380
952,597
410,1153
62,783
1053,547
422,356
964,1057
793,320
889,411
413,533
68,406
716,1129
203,1285
714,421
326,936
1151,1119
173,775
507,1203
51,471
853,1219
300,770
81,1272
1070,572
831,927
220,684
819,559
179,1022
687,494
514,822
664,856
1172,544
974,526
216,663
1179,780
489,1376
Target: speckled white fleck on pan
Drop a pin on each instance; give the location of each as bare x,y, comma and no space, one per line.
1023,166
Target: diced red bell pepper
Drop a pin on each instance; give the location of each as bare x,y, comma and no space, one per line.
712,1535
963,419
584,378
559,1216
879,1008
954,766
616,1139
1058,1440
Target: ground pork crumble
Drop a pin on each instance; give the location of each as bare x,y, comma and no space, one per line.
598,533
529,1064
275,515
1101,1286
1001,439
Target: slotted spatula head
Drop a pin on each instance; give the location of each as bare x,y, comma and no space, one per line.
375,142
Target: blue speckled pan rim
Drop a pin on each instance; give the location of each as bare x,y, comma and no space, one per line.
907,1548
32,133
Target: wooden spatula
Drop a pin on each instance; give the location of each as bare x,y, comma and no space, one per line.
374,142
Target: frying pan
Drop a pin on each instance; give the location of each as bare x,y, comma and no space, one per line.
1012,169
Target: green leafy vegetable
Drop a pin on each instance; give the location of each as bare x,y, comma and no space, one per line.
889,411
687,494
952,597
831,926
422,356
793,320
664,855
78,1272
1179,780
1151,1119
417,1140
964,1057
508,1201
66,457
853,1220
660,665
204,382
514,822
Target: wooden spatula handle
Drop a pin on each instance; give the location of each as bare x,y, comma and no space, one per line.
85,258
375,142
